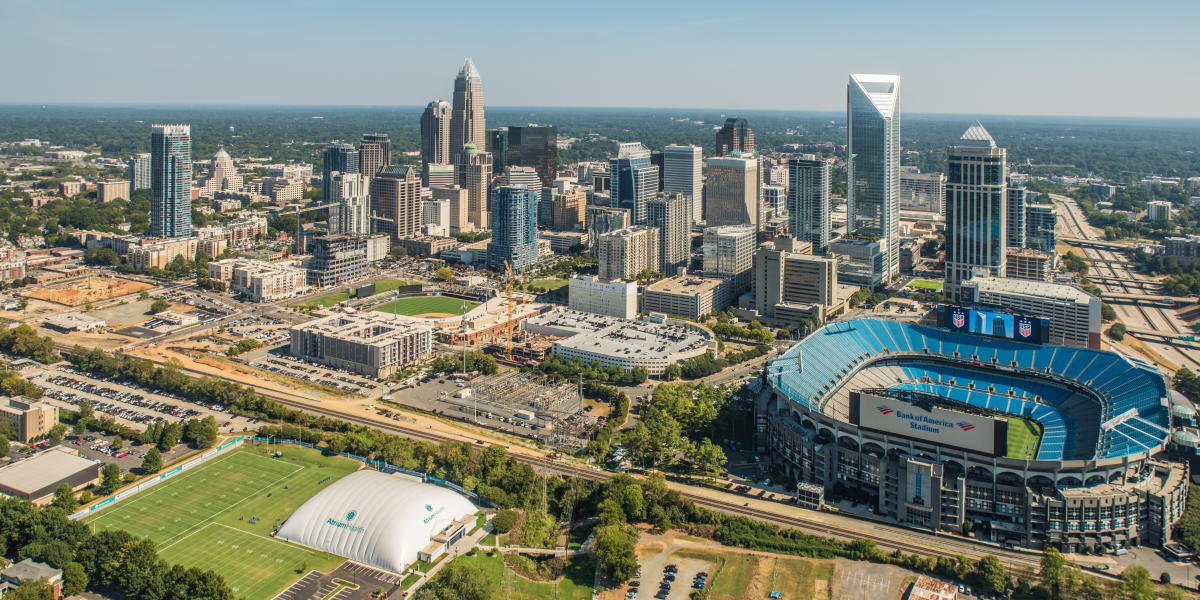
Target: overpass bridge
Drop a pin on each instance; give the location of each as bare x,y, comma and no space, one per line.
1152,298
1139,283
1178,340
1095,244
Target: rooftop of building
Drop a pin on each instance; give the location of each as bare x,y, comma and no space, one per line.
1029,253
370,328
685,284
618,337
44,469
30,569
1054,291
72,320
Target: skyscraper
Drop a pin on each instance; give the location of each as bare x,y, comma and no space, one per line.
873,162
170,181
338,158
474,175
138,171
1015,225
374,151
534,146
734,135
728,253
435,133
467,124
514,230
683,174
808,201
1040,223
350,216
634,180
669,214
624,253
976,187
396,201
497,145
731,192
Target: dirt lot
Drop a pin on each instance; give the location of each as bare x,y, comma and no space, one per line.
87,290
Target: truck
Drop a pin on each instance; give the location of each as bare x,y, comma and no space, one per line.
463,393
523,415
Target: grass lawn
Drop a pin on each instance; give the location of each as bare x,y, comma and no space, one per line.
549,284
801,577
577,536
575,585
419,305
734,576
925,284
326,300
1023,437
201,518
388,284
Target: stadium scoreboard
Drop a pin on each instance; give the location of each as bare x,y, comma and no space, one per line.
1020,328
934,424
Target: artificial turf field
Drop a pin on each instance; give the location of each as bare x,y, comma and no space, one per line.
1023,437
420,305
201,517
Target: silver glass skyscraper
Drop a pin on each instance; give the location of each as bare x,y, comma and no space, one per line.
683,174
170,181
338,158
467,124
976,213
873,162
435,136
633,179
808,201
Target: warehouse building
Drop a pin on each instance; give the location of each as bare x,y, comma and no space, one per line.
36,477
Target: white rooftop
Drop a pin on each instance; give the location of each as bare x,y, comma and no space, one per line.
976,136
882,90
1055,291
44,469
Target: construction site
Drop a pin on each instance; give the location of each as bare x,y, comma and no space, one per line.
87,290
528,404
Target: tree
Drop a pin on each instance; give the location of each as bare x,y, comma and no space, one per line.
991,575
1117,331
118,442
614,549
171,434
110,478
31,590
101,256
159,305
152,463
444,274
1135,581
5,447
75,579
203,431
460,581
673,371
57,433
504,520
64,498
1164,578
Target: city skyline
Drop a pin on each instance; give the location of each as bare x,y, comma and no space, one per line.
1058,53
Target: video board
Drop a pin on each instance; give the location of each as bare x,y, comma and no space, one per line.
1021,328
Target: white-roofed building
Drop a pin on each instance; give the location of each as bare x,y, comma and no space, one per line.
386,521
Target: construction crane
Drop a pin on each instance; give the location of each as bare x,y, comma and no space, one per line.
509,326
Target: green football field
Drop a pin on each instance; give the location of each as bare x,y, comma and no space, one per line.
1023,437
202,517
419,305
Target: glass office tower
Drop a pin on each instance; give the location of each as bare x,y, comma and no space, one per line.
873,160
976,208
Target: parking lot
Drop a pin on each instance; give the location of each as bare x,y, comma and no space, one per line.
279,363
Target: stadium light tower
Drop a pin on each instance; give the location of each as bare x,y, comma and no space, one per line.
463,308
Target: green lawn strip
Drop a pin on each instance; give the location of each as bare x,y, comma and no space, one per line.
388,284
549,284
408,580
925,284
419,305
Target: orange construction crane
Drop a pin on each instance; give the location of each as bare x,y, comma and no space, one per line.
509,327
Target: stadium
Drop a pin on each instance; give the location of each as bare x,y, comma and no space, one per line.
963,428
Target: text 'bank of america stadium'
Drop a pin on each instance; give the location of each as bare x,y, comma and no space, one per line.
1027,444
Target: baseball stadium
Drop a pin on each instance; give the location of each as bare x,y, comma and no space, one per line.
978,426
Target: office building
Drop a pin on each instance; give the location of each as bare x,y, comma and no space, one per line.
475,175
533,146
526,176
435,175
1040,223
625,253
687,296
396,201
435,134
976,215
774,201
860,262
514,230
351,213
138,172
497,146
603,219
615,298
809,201
170,181
222,176
569,206
633,180
435,217
728,252
1030,265
657,160
30,418
923,192
1158,210
790,284
1016,200
113,189
374,152
682,173
282,189
734,136
370,343
338,158
731,192
873,162
467,124
337,259
669,213
1074,314
456,197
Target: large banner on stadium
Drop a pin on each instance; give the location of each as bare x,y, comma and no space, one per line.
944,427
1020,328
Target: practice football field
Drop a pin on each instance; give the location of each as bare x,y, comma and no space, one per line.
421,305
220,516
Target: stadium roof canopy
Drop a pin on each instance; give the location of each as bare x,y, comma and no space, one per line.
376,519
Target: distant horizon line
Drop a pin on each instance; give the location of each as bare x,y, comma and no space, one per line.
6,104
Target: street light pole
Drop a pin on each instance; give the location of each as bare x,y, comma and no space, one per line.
463,308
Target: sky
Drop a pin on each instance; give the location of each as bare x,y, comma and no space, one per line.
1049,57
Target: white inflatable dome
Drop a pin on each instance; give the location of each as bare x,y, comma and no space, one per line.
376,519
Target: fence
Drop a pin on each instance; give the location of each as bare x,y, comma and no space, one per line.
149,483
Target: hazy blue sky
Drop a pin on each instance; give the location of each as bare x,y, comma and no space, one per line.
1016,57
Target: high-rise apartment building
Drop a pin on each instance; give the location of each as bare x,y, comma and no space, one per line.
731,192
474,175
728,253
976,193
774,201
873,162
435,134
396,201
528,176
114,189
669,214
467,124
625,253
456,197
634,180
170,181
514,229
1040,222
374,152
599,220
683,173
534,146
1158,210
569,205
1016,200
734,135
338,158
351,215
925,192
138,171
809,200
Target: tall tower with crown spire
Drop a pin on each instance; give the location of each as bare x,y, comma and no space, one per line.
467,124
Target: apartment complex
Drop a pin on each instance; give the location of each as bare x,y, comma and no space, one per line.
728,253
337,259
370,343
625,253
113,189
259,280
31,418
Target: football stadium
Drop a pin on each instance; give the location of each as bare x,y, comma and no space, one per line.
978,425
